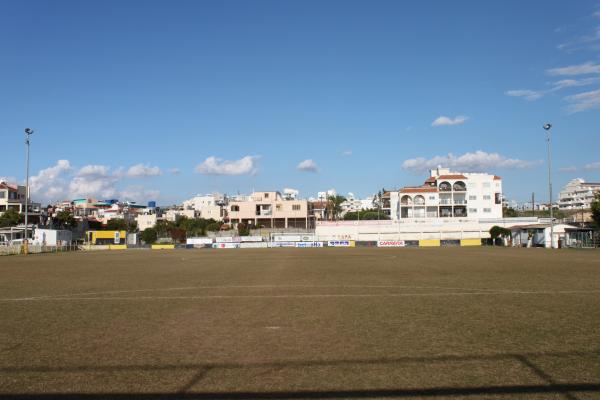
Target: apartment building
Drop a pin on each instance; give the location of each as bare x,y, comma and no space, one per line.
207,206
270,210
577,194
448,194
12,197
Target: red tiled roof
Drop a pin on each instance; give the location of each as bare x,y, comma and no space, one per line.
452,177
421,189
497,178
4,185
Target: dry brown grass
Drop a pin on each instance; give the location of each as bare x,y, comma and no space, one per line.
302,323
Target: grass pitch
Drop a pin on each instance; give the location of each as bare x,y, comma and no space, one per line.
481,323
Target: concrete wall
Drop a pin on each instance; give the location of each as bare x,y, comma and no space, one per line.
425,229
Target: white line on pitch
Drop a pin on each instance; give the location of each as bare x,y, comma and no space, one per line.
261,287
292,296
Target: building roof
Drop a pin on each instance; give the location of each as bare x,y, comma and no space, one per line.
420,189
4,185
455,176
497,178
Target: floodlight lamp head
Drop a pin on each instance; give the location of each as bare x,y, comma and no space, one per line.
28,131
547,126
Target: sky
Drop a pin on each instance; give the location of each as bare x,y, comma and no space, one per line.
161,100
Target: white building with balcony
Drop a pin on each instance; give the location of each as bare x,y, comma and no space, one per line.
577,194
207,206
12,197
448,194
270,210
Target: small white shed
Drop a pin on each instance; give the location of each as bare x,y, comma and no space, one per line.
52,237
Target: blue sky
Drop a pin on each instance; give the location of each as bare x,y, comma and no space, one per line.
163,100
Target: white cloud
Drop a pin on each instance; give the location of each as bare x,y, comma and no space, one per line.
50,182
62,181
174,171
216,166
141,171
583,101
530,95
94,181
586,42
568,83
8,179
568,169
347,152
591,166
446,121
477,161
138,194
581,69
308,166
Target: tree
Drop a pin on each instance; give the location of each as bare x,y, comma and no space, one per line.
370,214
116,224
149,235
65,220
214,226
163,227
11,218
509,212
194,226
243,229
334,208
177,234
595,207
497,232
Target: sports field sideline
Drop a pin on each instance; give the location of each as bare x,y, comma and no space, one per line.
302,323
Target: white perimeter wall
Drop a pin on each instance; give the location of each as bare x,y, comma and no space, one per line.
440,228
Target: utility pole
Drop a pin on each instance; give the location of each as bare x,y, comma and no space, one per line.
547,127
28,132
533,203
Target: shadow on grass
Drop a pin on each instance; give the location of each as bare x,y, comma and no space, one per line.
550,385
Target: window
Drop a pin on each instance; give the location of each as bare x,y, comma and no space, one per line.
472,211
235,208
445,187
472,197
278,207
487,210
431,197
2,194
498,198
266,195
296,207
487,197
486,184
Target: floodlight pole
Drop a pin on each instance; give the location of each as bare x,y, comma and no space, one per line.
547,127
28,132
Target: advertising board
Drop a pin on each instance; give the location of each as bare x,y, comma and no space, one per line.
251,238
227,239
253,245
309,244
294,238
226,245
282,244
199,240
341,243
391,243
